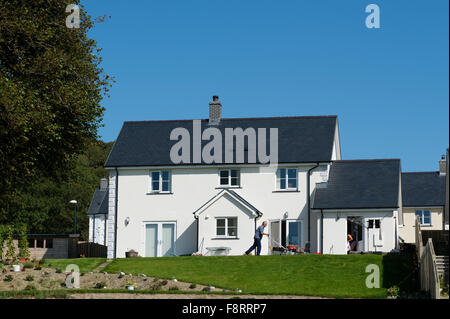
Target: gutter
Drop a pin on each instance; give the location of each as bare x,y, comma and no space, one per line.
115,213
308,194
321,231
198,225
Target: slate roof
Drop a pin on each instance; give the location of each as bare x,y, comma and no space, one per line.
300,139
422,189
359,184
99,202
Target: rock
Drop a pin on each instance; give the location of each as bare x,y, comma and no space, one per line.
105,273
174,280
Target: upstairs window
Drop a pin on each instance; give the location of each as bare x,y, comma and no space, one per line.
287,179
226,227
160,182
229,178
425,217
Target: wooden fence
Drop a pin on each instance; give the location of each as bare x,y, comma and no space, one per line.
429,278
91,249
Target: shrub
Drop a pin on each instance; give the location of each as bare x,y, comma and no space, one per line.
24,252
164,282
41,262
8,278
11,252
29,278
193,286
174,288
393,291
100,285
38,267
30,287
28,265
58,270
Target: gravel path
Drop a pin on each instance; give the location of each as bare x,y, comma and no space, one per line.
180,296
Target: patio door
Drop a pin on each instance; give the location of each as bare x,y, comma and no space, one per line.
160,239
294,234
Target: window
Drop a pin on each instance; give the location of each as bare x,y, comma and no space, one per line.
226,227
230,177
30,242
425,217
287,179
39,243
374,223
160,182
49,243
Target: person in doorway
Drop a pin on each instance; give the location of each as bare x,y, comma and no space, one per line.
349,240
257,239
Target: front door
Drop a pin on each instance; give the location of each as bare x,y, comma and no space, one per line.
160,239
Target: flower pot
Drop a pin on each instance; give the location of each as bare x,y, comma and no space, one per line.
131,254
23,260
130,287
16,268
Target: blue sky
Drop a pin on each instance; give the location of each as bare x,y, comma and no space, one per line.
388,86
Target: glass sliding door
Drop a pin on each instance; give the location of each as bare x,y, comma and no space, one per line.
160,239
151,240
294,233
168,231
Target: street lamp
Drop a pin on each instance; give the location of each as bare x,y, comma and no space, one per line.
73,201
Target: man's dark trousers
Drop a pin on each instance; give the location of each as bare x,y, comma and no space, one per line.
257,245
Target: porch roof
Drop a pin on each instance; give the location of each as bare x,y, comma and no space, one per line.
360,184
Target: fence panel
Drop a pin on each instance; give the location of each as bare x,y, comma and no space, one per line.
91,249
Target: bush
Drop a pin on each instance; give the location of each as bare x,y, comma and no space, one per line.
29,278
193,286
100,285
11,252
24,252
8,278
41,262
30,287
58,270
174,288
28,265
38,267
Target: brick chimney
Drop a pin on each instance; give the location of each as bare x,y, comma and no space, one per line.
103,183
443,165
215,111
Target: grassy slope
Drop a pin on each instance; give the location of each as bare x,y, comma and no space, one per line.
85,264
315,275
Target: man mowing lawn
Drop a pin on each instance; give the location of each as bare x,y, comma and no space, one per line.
257,239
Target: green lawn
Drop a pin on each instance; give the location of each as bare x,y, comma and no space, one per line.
85,264
314,275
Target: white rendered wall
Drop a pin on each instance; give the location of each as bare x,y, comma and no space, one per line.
408,231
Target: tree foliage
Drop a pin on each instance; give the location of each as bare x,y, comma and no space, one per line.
43,203
51,86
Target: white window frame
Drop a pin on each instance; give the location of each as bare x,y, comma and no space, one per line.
226,227
422,217
160,181
278,187
229,178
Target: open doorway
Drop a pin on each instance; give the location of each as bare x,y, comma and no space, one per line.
355,229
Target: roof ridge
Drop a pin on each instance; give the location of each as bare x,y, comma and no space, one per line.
236,118
424,172
368,160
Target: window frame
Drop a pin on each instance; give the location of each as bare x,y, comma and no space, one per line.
226,227
286,178
422,216
160,182
229,185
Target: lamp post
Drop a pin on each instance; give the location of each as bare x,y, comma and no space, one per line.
74,216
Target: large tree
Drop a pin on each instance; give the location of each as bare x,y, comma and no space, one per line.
51,86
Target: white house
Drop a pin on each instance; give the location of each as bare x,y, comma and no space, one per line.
159,206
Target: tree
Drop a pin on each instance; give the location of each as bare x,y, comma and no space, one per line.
51,86
24,252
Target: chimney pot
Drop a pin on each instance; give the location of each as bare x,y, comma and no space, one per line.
443,165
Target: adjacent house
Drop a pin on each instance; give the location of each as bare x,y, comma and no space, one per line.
423,194
361,198
183,187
